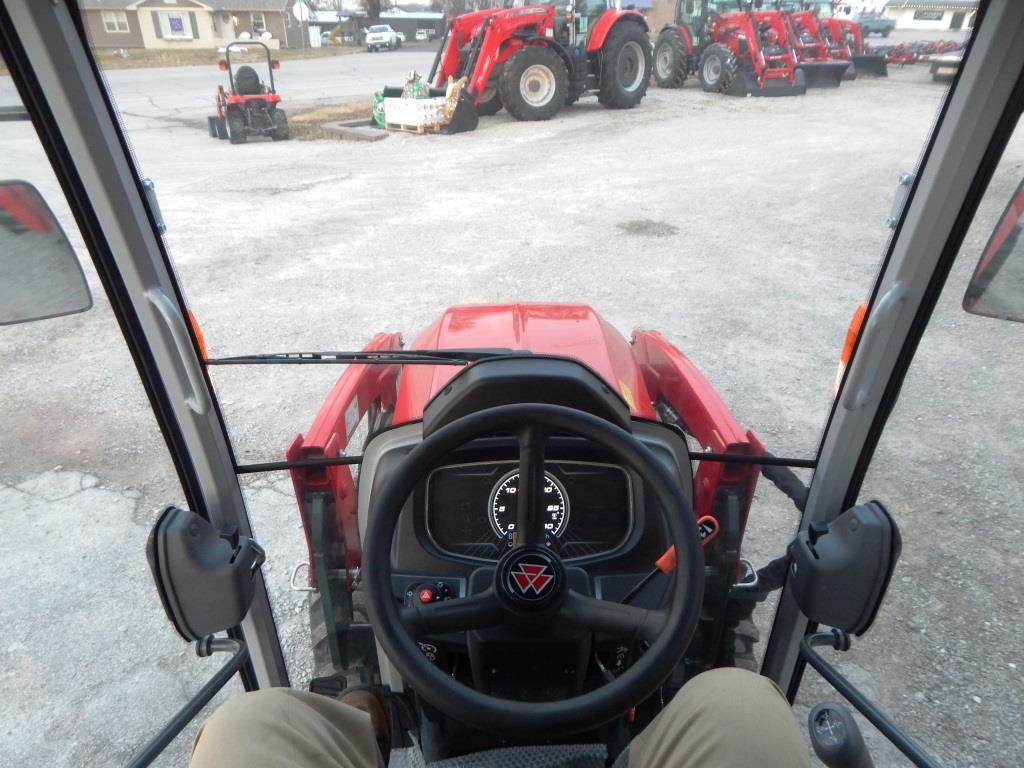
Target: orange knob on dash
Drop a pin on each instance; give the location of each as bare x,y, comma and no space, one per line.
666,562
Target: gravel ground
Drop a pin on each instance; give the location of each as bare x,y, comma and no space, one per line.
745,230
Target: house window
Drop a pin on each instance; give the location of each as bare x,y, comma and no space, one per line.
115,21
174,25
259,24
928,15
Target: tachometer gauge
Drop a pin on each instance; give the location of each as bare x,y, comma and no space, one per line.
505,500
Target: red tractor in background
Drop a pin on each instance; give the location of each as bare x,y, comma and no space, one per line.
732,50
535,59
823,68
844,40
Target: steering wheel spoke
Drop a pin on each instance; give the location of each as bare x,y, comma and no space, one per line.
465,613
530,504
584,612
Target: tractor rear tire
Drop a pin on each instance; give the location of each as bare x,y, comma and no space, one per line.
670,57
625,66
534,83
490,102
717,68
236,126
280,119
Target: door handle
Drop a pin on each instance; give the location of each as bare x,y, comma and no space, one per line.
199,400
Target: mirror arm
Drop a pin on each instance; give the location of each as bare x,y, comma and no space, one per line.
841,642
204,647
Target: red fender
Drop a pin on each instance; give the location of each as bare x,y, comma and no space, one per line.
609,19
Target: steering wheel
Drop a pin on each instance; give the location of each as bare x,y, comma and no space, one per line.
530,586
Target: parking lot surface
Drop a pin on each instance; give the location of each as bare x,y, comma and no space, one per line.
745,230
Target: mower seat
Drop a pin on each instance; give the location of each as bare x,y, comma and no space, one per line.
247,82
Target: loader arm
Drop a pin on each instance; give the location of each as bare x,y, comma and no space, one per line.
674,381
358,388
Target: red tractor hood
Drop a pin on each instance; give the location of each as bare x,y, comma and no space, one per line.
567,330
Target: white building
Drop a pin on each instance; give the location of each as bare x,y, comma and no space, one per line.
932,14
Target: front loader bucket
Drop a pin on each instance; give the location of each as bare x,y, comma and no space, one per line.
850,73
871,66
746,85
824,74
464,117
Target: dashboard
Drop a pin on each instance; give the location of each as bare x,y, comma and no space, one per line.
471,508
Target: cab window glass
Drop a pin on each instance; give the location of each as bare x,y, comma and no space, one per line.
948,468
91,664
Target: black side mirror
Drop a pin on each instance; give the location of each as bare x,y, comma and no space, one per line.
40,276
997,286
839,572
204,576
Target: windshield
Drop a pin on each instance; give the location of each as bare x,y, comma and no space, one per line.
696,230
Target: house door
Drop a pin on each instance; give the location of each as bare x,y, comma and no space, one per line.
957,22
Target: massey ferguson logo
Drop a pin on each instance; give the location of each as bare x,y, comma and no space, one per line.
532,577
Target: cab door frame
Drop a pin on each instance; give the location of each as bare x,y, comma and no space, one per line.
974,125
44,46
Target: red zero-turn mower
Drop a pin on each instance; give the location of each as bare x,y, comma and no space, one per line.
249,107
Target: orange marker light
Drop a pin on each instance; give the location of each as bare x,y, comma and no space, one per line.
856,323
275,64
852,334
200,341
222,65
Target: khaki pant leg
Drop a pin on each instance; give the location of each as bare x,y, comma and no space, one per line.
724,718
284,728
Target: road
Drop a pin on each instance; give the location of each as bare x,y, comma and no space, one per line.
186,93
745,230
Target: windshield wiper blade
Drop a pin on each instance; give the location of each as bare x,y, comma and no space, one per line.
383,357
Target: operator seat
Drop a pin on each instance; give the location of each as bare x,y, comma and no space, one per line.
247,82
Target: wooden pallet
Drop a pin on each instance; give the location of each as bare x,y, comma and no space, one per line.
430,128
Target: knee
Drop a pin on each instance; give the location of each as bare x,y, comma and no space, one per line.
264,704
728,691
248,713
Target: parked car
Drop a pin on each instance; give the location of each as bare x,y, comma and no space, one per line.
875,22
382,36
401,38
421,35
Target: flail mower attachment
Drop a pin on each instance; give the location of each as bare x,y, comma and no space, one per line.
824,74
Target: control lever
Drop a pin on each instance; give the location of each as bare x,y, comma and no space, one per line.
836,737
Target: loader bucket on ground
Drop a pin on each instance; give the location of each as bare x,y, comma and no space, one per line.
824,74
871,66
746,85
464,118
851,72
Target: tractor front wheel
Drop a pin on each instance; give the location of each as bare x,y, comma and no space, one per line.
717,68
625,66
534,83
670,59
280,119
236,126
490,102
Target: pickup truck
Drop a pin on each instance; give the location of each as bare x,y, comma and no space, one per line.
875,22
382,36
